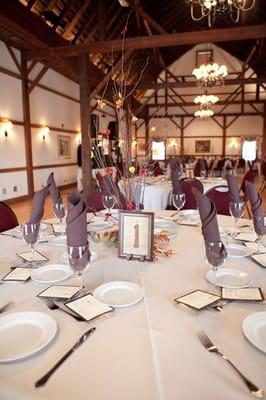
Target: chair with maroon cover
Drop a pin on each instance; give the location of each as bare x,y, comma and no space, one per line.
157,170
220,197
250,176
94,202
8,219
187,184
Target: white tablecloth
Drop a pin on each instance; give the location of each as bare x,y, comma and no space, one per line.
147,351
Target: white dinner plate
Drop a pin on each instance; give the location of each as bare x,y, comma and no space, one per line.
24,333
169,232
119,293
254,328
237,250
229,278
52,273
192,215
96,226
161,223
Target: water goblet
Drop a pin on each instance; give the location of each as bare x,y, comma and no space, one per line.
236,209
31,232
59,211
215,255
259,228
203,173
178,202
79,260
108,202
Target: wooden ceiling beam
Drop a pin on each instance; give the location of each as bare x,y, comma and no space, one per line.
234,114
50,5
67,8
75,19
163,40
139,10
31,4
219,103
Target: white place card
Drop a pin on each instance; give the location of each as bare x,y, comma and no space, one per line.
198,299
35,256
88,307
59,292
59,229
260,259
18,274
246,237
246,294
188,223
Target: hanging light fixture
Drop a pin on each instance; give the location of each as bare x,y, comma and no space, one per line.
204,113
211,74
206,100
212,8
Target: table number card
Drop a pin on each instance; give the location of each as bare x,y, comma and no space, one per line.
35,256
88,307
198,299
244,294
63,292
136,235
18,274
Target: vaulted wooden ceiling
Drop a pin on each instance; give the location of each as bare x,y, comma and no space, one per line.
62,22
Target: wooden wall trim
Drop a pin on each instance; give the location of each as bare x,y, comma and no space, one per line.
47,166
16,169
53,128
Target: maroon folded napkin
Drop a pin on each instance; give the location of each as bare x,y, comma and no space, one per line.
215,250
233,188
256,207
38,205
76,220
175,176
56,197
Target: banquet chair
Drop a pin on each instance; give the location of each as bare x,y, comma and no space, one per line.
187,184
220,197
8,219
94,202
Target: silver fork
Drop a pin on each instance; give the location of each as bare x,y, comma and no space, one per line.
207,343
51,304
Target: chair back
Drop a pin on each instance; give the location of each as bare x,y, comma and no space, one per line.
187,184
94,202
8,219
220,197
250,176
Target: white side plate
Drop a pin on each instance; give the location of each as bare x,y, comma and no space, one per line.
119,293
99,226
52,273
237,250
24,333
192,215
229,278
161,223
254,328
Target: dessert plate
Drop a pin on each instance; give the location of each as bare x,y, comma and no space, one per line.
254,328
238,250
119,293
229,278
52,273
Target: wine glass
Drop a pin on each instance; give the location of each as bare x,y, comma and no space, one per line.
236,209
59,211
203,173
79,260
215,255
179,201
258,226
108,202
31,232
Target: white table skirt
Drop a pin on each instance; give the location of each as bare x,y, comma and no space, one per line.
148,351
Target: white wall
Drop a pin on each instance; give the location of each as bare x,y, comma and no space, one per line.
50,109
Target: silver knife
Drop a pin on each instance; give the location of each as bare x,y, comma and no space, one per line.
42,381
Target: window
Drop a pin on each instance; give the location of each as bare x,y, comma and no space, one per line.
249,150
158,150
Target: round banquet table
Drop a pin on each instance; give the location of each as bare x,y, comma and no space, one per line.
148,351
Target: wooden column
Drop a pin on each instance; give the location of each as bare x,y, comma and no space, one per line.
27,123
182,129
224,135
263,145
85,124
147,133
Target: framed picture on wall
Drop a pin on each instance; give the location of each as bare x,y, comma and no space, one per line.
202,146
203,57
63,147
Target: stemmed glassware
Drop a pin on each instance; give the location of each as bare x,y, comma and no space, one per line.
31,233
59,211
203,173
178,202
236,209
258,223
214,257
79,260
108,202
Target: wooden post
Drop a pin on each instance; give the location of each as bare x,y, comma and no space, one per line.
224,135
182,129
147,133
85,125
263,145
27,123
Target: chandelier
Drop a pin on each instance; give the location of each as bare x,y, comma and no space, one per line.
204,113
206,100
212,8
209,75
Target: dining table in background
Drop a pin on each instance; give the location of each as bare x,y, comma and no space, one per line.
147,351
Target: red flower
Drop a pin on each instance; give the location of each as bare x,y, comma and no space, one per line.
106,133
142,171
106,216
130,205
109,171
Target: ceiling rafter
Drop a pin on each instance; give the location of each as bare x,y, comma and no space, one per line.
75,18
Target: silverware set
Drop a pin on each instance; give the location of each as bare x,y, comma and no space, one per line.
210,346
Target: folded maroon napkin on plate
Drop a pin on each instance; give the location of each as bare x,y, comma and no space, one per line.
256,207
233,188
76,220
56,196
175,176
38,205
215,250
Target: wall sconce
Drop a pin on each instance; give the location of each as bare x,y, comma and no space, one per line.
134,143
44,132
233,143
78,138
7,127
